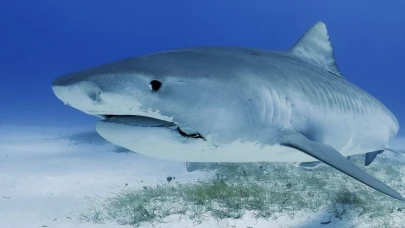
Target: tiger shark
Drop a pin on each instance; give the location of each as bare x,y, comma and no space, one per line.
228,104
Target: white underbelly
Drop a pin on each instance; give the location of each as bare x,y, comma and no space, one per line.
166,143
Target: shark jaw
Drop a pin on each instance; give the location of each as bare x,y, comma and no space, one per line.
151,136
144,121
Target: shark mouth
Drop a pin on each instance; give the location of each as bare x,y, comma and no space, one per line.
143,121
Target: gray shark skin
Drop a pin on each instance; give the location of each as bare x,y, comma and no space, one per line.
227,104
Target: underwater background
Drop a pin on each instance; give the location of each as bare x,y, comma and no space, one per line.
42,40
55,171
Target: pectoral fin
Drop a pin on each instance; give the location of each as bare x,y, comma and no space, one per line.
333,158
314,165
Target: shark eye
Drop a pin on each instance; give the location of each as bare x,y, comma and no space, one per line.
155,85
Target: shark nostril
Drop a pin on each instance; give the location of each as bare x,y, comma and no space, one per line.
94,96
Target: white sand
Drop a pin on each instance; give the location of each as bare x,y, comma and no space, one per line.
48,182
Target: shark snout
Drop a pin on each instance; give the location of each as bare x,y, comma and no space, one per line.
80,94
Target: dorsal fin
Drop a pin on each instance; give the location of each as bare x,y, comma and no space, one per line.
314,47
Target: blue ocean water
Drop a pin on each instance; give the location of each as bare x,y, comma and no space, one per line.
41,40
45,173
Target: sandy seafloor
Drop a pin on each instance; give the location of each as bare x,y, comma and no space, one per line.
47,181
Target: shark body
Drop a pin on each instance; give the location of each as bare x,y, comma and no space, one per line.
224,104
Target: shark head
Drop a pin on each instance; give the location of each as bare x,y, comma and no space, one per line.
157,101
